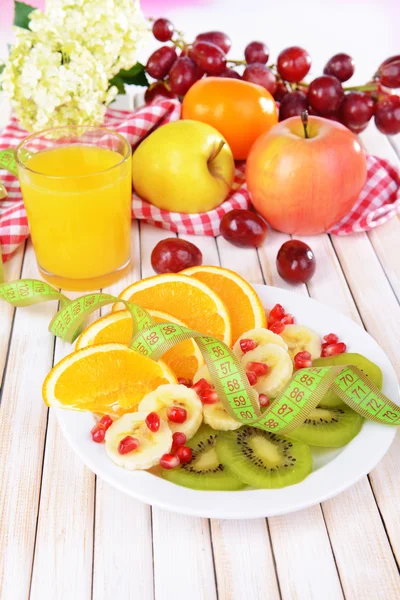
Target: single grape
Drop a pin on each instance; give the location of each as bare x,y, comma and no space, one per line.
162,30
230,73
183,74
340,66
295,262
209,57
160,62
260,74
256,52
293,64
292,105
243,228
158,88
280,91
356,110
387,115
389,72
325,94
173,254
218,38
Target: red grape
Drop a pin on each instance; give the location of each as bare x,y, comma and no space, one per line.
295,262
218,38
356,110
173,254
325,94
163,30
256,52
260,74
387,115
389,72
160,62
293,64
292,105
341,66
243,228
209,57
157,88
230,73
183,74
280,91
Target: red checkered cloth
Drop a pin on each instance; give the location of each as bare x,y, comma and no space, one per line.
379,200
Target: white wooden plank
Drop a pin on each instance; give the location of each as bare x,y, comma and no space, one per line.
12,270
23,419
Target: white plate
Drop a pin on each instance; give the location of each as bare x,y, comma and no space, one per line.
334,470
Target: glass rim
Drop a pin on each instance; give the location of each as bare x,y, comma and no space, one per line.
124,157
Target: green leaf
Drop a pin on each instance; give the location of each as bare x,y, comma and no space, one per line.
2,67
136,75
117,81
21,14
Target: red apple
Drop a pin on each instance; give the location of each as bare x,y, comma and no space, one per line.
305,185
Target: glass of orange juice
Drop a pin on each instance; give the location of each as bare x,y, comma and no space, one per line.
76,184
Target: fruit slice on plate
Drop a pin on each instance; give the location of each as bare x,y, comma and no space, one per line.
328,427
216,414
184,359
332,400
166,397
300,338
149,446
243,304
263,460
204,471
104,379
259,336
280,368
185,298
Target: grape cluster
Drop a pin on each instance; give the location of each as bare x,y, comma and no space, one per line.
176,67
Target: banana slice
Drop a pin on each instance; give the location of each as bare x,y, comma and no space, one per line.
203,373
280,368
173,394
218,418
151,445
261,336
299,338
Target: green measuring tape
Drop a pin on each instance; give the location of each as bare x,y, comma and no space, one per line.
300,396
9,163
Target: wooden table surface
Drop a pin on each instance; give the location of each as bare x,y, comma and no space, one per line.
67,535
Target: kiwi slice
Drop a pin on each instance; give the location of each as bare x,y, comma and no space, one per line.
332,400
328,427
263,460
204,471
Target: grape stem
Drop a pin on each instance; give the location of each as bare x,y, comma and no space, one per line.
304,120
236,62
368,87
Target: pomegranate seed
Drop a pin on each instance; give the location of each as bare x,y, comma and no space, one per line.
106,421
184,454
246,345
209,396
288,319
277,327
98,433
185,381
333,349
302,360
263,400
276,314
258,368
331,338
252,377
153,422
178,440
128,444
169,461
200,385
325,345
176,414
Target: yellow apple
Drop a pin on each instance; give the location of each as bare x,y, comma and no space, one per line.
185,166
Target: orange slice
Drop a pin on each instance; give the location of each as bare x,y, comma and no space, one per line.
184,359
185,298
244,306
104,379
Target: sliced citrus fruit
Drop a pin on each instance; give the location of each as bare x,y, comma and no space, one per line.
244,306
185,298
184,359
109,378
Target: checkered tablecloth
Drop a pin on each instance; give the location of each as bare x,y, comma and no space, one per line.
379,200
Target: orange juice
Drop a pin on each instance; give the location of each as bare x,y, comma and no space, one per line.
78,202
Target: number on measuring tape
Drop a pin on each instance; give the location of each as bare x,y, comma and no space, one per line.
239,400
168,329
347,379
140,348
271,423
152,338
297,394
225,368
307,379
233,384
218,351
246,414
285,410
